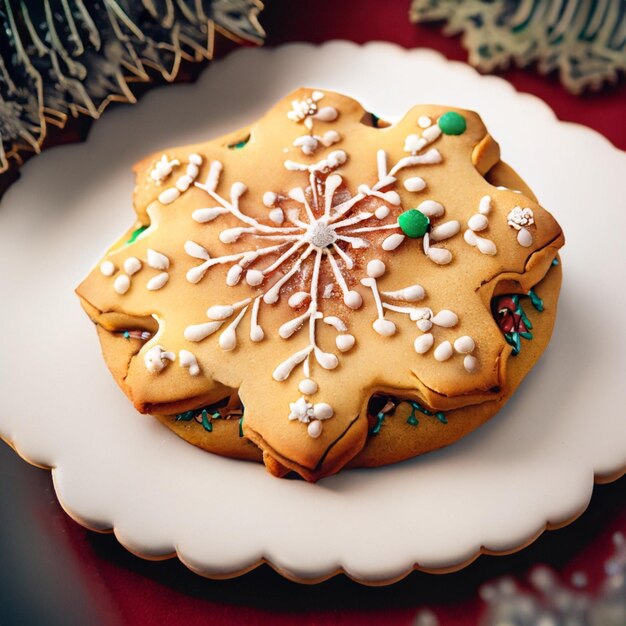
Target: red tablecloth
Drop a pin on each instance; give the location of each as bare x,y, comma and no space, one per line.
127,590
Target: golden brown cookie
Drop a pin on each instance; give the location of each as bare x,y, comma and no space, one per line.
284,278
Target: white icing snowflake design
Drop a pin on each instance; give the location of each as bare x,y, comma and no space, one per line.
327,226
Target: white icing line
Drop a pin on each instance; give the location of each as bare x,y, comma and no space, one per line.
336,323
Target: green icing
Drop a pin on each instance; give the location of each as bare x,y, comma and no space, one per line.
187,416
380,418
136,234
413,223
452,123
537,302
412,419
241,426
514,338
239,144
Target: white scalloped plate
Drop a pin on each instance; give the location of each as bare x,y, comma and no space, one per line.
531,467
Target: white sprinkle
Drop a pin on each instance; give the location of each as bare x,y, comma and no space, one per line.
393,197
353,299
269,198
195,158
470,237
322,411
484,206
121,284
156,359
182,184
424,325
414,184
478,222
308,387
446,319
328,290
375,268
187,359
470,363
196,251
192,171
158,281
277,216
441,256
314,429
132,265
392,242
107,268
430,208
464,345
384,327
169,195
445,230
382,212
345,342
254,277
157,260
424,121
423,343
486,246
443,351
524,238
327,114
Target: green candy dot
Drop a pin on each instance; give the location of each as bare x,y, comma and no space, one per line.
413,223
452,123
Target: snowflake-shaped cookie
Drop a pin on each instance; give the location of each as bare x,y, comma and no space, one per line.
310,279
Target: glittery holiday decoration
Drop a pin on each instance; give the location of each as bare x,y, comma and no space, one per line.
585,42
61,60
548,600
552,601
